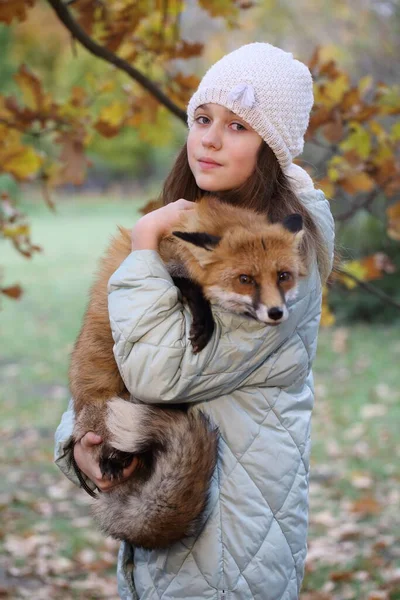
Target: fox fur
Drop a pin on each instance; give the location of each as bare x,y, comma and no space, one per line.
241,262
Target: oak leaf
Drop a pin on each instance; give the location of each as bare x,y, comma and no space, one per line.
14,9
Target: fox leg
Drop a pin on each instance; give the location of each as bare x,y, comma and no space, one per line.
202,326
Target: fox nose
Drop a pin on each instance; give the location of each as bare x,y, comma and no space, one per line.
275,313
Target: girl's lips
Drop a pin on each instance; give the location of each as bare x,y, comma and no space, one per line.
208,165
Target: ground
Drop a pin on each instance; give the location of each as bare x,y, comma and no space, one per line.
49,546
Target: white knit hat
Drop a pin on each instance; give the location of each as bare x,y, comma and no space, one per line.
269,90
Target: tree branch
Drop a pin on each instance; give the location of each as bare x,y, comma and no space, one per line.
94,48
369,288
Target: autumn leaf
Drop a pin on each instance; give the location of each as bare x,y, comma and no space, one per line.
327,317
393,215
368,268
357,182
366,505
333,131
13,291
327,186
14,9
15,230
358,140
111,118
23,162
365,84
31,89
330,93
72,157
186,49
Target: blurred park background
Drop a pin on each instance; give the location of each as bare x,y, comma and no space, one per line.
85,143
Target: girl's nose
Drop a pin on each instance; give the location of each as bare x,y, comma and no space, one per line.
212,138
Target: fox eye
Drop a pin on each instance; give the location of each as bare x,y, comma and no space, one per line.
246,279
284,276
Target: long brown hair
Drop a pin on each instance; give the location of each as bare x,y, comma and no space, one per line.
267,190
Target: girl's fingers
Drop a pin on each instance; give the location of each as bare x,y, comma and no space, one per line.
91,439
106,485
127,472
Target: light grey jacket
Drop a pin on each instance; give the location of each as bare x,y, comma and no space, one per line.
256,383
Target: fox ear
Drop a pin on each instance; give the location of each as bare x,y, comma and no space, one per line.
293,222
198,238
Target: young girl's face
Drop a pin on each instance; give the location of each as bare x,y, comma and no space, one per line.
219,135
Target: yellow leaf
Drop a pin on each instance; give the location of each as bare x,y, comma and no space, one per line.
395,132
330,52
330,93
327,317
327,187
353,183
15,230
365,84
333,174
389,99
377,129
359,140
23,164
114,114
31,88
356,268
383,154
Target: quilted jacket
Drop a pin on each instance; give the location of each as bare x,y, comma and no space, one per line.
255,382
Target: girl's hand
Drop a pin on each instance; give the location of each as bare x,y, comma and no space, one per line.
90,467
149,230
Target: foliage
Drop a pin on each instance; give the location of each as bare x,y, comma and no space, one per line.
353,137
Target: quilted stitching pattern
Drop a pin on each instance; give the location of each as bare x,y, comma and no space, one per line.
272,422
253,545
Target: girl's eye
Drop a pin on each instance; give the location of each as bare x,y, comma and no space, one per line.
284,276
239,126
246,279
198,120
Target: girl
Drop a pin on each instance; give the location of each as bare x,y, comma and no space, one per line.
246,125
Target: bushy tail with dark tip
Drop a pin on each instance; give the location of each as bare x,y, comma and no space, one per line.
164,500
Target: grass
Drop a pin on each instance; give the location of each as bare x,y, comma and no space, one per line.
354,478
39,329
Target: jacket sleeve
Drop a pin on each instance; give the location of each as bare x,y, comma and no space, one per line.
150,327
62,451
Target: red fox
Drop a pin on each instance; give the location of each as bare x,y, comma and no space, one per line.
220,254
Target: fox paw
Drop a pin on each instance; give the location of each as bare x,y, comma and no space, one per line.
200,334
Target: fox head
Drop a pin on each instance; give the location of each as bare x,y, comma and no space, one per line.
249,271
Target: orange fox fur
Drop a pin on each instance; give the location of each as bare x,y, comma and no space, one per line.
165,498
